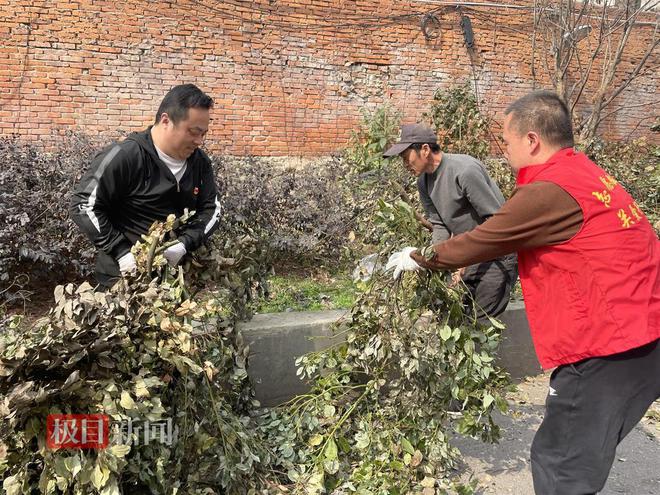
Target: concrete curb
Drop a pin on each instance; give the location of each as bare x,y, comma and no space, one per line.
277,339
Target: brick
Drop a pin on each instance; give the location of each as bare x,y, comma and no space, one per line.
287,90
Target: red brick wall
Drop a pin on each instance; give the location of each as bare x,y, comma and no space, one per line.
289,77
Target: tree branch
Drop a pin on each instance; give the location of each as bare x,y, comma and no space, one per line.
594,55
638,124
626,107
637,69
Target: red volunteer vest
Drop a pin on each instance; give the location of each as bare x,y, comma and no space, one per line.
598,293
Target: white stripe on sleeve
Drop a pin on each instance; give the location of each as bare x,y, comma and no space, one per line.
214,217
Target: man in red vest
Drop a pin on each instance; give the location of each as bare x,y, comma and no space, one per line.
589,265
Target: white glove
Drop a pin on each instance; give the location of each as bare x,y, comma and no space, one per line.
174,253
401,261
127,264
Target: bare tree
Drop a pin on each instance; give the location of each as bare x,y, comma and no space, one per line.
584,43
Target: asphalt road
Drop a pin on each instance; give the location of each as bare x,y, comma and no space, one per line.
504,468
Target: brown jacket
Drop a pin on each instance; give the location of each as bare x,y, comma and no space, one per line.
538,214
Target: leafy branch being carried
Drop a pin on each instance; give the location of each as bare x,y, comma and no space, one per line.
143,351
413,365
462,127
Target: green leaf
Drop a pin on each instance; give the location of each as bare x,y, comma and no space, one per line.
445,333
362,440
141,389
12,485
315,440
48,485
496,323
331,466
72,465
127,401
120,450
100,476
60,468
407,446
501,404
428,482
287,451
488,399
328,410
330,451
343,445
111,487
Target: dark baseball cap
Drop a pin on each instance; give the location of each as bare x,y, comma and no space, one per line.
411,134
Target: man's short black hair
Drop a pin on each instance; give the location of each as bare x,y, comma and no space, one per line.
435,147
543,112
179,99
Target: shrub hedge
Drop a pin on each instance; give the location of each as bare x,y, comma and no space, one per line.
307,212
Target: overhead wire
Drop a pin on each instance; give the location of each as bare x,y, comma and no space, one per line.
289,18
285,15
321,23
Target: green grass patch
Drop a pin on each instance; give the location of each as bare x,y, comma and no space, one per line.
308,293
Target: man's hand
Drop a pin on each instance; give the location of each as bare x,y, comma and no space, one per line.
174,253
401,261
127,264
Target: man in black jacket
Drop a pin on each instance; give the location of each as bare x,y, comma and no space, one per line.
146,177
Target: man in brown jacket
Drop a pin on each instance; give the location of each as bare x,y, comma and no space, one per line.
590,270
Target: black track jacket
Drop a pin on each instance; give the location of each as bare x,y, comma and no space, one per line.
128,187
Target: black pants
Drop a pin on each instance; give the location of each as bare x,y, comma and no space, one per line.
591,406
490,285
107,270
